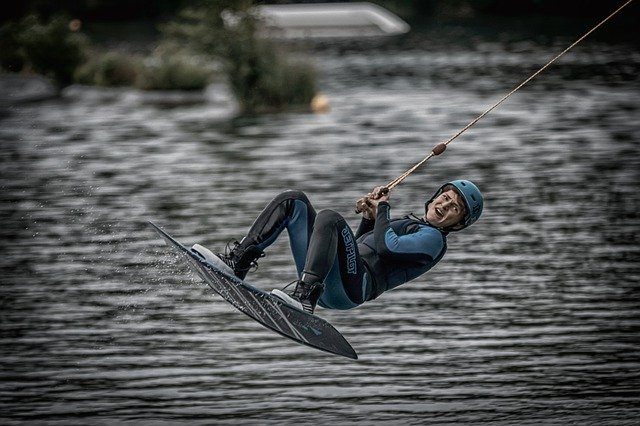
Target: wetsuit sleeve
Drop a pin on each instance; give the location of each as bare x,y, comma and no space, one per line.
421,246
366,225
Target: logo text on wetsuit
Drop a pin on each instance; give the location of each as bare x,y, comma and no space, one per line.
350,250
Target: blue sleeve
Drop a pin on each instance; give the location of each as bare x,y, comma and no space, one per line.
422,246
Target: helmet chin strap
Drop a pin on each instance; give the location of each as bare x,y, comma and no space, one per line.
440,148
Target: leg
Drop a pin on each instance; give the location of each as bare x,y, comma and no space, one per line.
290,210
332,262
333,258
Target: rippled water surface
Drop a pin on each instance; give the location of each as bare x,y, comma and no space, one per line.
532,317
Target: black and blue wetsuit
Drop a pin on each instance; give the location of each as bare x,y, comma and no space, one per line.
354,268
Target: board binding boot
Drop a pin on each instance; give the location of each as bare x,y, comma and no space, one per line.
304,297
234,261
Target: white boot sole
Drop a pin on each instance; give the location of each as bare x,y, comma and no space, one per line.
287,299
208,255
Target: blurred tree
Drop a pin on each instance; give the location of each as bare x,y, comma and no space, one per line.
93,10
261,76
50,48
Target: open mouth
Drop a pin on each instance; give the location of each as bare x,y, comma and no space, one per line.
439,213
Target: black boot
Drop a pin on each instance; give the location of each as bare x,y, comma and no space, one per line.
304,297
237,261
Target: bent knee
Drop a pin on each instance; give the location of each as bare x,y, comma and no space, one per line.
293,194
328,218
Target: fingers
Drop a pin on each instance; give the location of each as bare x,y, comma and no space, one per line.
380,193
366,207
369,203
364,203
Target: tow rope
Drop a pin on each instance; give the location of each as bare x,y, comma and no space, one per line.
440,148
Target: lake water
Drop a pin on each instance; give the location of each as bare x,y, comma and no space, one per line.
531,318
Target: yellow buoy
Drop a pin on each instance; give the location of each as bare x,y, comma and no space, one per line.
320,103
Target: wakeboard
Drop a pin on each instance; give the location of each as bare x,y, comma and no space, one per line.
259,305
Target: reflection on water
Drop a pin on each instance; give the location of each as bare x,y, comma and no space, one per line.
531,318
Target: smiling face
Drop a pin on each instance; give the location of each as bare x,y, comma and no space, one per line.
447,209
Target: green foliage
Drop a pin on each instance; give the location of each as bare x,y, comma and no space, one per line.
264,79
86,73
159,72
261,77
111,69
174,72
11,55
51,48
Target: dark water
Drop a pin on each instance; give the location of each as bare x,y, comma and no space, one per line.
532,317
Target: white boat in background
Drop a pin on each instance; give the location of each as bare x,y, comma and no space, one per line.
329,20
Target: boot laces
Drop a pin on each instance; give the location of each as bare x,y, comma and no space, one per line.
290,284
231,258
302,293
228,256
299,290
302,290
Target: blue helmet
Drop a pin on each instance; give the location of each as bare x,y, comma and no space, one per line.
472,197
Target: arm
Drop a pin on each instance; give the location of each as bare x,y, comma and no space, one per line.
421,246
366,225
368,206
